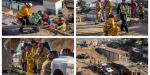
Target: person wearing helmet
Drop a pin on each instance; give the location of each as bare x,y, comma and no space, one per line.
41,54
109,26
122,11
23,13
61,26
140,9
45,17
29,60
36,20
23,59
46,67
33,51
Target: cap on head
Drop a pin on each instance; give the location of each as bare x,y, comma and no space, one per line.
61,19
41,12
32,41
27,48
123,0
140,3
50,55
40,45
22,48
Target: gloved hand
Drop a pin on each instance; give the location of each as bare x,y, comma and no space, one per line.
43,55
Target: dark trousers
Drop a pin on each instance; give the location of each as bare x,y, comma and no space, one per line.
38,71
23,22
35,68
124,21
36,29
24,66
141,16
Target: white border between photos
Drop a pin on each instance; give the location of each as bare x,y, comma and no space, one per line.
75,37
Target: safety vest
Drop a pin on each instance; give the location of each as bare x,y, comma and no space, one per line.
35,18
124,9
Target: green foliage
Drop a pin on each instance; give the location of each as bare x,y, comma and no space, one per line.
82,3
85,9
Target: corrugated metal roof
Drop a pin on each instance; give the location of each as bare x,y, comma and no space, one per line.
52,0
115,50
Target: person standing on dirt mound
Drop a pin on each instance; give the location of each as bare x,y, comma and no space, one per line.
122,11
98,11
41,53
23,13
107,6
140,9
29,60
33,51
46,67
23,59
61,26
109,26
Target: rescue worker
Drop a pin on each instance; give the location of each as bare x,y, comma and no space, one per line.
140,9
90,60
29,60
33,51
107,6
23,59
122,11
36,20
46,67
98,61
41,56
61,26
109,26
98,11
23,13
92,56
45,17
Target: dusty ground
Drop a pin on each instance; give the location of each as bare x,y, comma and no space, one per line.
84,67
11,44
88,28
9,21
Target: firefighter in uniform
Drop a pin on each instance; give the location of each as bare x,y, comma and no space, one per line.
122,11
107,6
29,60
41,54
46,70
109,26
33,51
98,11
23,59
140,9
61,26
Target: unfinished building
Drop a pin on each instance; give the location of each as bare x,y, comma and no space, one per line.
113,54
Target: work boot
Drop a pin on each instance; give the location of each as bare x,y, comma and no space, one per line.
20,30
122,31
96,23
102,20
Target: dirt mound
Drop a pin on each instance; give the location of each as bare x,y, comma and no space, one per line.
86,72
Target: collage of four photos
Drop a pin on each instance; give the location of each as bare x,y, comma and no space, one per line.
74,37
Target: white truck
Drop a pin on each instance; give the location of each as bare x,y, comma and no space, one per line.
64,65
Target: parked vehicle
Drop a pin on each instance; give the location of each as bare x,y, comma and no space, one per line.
83,56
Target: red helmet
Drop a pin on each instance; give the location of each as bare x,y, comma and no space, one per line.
140,3
40,45
50,55
111,15
27,48
61,19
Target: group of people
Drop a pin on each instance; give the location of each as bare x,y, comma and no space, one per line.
122,11
38,56
39,18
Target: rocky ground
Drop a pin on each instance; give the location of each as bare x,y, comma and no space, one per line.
88,28
11,26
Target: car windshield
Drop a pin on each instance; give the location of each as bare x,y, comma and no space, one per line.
105,66
19,48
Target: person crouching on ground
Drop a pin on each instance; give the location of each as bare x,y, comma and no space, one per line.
109,26
61,26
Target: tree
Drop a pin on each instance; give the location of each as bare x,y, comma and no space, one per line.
82,3
85,9
134,40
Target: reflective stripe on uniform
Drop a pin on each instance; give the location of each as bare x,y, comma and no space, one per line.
47,70
106,25
20,13
124,9
35,18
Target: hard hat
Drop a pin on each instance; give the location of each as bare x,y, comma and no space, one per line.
32,41
41,12
40,45
50,55
22,48
29,4
61,19
27,48
140,3
111,15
